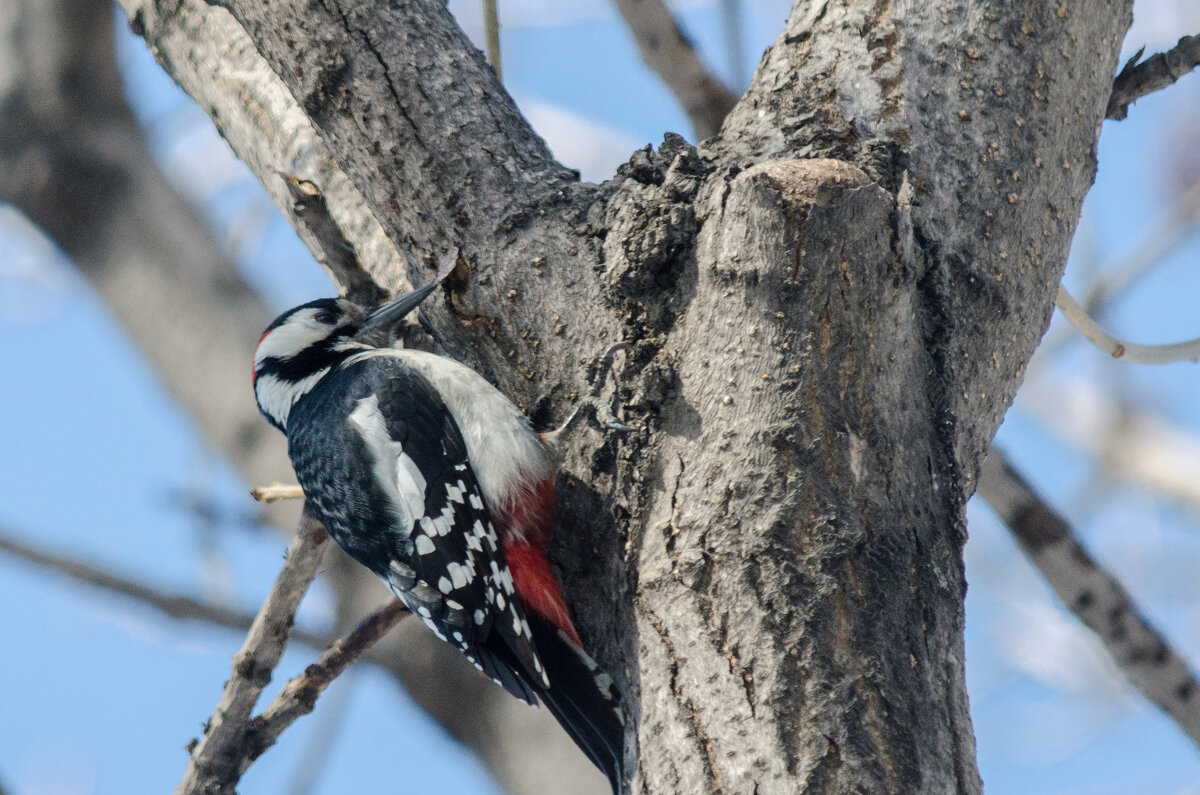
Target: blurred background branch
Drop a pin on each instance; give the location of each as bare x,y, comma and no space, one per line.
1151,664
666,50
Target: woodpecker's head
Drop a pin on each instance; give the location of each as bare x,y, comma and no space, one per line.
304,344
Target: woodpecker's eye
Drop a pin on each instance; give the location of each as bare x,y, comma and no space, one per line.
327,317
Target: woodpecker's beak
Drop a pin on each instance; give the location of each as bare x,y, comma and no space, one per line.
385,316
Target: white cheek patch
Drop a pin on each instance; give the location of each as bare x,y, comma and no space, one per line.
393,468
276,396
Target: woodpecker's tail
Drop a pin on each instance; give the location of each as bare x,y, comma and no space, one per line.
584,700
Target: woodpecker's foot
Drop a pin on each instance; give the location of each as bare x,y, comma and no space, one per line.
277,491
599,408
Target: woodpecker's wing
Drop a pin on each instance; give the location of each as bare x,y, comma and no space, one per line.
384,466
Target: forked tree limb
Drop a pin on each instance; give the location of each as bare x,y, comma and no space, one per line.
811,371
215,762
1149,662
299,695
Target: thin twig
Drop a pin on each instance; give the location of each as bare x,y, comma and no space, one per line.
1187,351
299,695
1158,71
1172,229
668,52
491,28
277,491
216,760
337,252
1151,665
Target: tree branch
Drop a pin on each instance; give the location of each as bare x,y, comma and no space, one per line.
213,60
773,250
215,760
334,250
491,27
299,695
1187,351
1158,71
441,155
1155,669
412,85
667,51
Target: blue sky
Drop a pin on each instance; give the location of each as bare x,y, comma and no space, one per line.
99,695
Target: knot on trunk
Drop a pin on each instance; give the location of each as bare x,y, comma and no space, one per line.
651,232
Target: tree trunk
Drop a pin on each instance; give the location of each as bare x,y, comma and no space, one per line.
830,306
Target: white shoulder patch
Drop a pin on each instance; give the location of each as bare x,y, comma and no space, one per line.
392,466
500,441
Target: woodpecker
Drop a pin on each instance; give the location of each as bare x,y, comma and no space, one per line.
430,477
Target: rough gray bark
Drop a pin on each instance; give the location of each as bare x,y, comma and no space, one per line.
830,307
77,164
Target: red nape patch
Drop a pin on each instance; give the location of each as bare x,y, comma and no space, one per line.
253,367
537,586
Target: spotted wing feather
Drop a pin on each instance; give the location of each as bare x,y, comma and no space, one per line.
428,533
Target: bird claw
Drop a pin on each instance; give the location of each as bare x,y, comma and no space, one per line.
599,409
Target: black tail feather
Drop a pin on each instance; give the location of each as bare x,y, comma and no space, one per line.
583,699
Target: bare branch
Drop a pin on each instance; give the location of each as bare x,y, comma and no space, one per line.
667,51
215,760
1092,594
1188,351
336,253
452,137
299,695
1158,71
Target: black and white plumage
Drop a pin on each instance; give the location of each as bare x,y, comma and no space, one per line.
432,479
